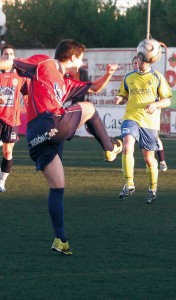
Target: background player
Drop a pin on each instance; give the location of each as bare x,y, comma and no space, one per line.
141,122
49,123
160,152
11,84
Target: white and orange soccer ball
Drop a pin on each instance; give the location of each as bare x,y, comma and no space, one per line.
149,50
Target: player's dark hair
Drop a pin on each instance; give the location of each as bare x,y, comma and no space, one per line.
135,57
66,48
7,46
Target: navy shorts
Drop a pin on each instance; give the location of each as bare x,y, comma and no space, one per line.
147,138
46,134
8,134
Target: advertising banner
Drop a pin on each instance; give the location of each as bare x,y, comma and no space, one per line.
95,62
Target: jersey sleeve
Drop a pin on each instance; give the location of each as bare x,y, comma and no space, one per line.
123,91
27,67
164,90
76,88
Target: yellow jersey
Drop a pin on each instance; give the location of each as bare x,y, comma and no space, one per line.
141,89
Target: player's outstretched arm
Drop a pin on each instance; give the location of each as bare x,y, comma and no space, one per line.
100,83
6,64
163,103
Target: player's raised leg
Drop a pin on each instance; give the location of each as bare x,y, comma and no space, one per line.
95,125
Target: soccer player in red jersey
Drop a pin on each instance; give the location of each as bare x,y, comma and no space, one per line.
50,123
11,84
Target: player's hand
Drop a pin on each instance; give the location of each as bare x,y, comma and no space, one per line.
111,68
118,99
150,108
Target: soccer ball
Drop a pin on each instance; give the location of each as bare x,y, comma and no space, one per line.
149,50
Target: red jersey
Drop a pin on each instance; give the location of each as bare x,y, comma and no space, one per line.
49,89
11,84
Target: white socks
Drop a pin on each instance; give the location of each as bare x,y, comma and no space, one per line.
3,177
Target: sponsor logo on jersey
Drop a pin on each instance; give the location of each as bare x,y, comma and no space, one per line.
140,91
15,81
7,96
58,93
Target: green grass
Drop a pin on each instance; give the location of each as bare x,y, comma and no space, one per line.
122,249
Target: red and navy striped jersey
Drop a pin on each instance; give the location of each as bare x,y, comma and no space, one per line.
49,89
11,84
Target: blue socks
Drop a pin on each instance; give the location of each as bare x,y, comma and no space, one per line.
56,211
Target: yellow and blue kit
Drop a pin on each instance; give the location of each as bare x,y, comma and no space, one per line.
142,89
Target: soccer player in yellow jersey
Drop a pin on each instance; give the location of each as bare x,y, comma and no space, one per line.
145,91
160,151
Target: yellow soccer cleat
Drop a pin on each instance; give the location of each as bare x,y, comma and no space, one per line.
111,155
61,247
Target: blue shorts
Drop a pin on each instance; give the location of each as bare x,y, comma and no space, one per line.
8,134
47,133
147,138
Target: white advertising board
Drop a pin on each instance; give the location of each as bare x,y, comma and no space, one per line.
96,60
112,119
173,122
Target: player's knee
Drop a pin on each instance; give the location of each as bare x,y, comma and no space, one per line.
87,108
7,151
128,149
7,155
151,162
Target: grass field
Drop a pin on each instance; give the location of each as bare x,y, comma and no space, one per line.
122,249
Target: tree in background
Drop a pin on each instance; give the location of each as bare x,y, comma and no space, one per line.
43,23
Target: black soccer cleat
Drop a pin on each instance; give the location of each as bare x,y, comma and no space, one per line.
126,192
151,196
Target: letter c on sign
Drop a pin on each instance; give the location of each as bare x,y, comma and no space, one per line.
105,120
